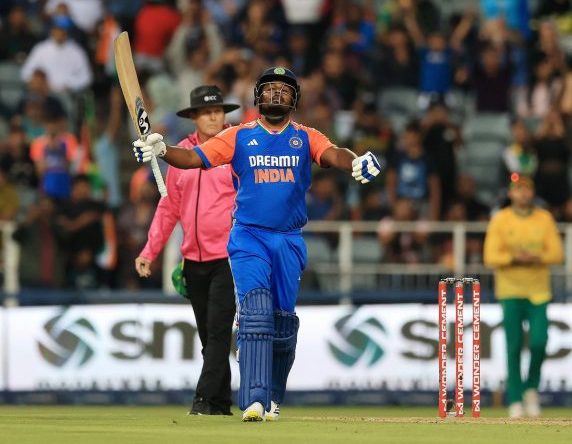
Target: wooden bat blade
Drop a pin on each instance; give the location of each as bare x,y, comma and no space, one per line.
133,98
130,84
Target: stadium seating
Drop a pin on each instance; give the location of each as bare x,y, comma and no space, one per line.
318,249
487,127
399,105
366,250
486,136
11,86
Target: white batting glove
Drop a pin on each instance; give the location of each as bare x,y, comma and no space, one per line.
153,145
365,167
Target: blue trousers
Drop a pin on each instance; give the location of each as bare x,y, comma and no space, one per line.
267,259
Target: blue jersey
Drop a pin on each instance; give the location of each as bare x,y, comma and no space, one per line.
271,171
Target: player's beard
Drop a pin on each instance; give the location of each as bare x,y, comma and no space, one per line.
275,114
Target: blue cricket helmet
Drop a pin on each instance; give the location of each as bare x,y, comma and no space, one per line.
277,74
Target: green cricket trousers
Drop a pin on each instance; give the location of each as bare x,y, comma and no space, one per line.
515,313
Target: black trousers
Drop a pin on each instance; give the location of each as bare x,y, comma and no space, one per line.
211,290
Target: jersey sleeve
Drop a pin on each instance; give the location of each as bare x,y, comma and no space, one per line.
219,149
319,143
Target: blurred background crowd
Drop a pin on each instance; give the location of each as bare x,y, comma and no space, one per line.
453,95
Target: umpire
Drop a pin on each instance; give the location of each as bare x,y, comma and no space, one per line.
202,200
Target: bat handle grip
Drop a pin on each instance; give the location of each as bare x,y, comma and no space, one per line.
158,177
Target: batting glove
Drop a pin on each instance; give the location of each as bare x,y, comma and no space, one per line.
153,145
365,167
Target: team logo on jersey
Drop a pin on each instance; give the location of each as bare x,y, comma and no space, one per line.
295,142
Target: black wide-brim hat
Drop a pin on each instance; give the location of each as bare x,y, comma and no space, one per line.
203,96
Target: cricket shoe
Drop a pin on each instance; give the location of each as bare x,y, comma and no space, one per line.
202,407
515,410
253,413
531,402
274,412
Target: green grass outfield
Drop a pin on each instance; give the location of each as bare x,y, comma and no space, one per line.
297,425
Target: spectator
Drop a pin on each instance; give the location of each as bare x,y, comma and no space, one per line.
371,131
340,81
74,32
466,193
155,26
223,13
303,11
107,148
371,205
548,47
9,201
65,63
15,160
314,91
442,139
552,177
38,91
544,91
299,55
257,30
514,12
85,14
80,223
566,99
16,38
108,30
435,58
397,64
319,114
240,88
512,50
520,156
125,11
196,33
324,201
411,175
402,247
357,31
442,243
41,256
194,63
161,97
56,155
492,81
311,16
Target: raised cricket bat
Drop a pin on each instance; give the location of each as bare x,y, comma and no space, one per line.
134,99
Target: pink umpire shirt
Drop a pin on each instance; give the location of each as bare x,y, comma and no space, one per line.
202,200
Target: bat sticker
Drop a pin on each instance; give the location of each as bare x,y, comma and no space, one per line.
142,117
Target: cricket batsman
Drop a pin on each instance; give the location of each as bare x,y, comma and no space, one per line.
271,159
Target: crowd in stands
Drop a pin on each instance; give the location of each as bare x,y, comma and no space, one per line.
453,95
